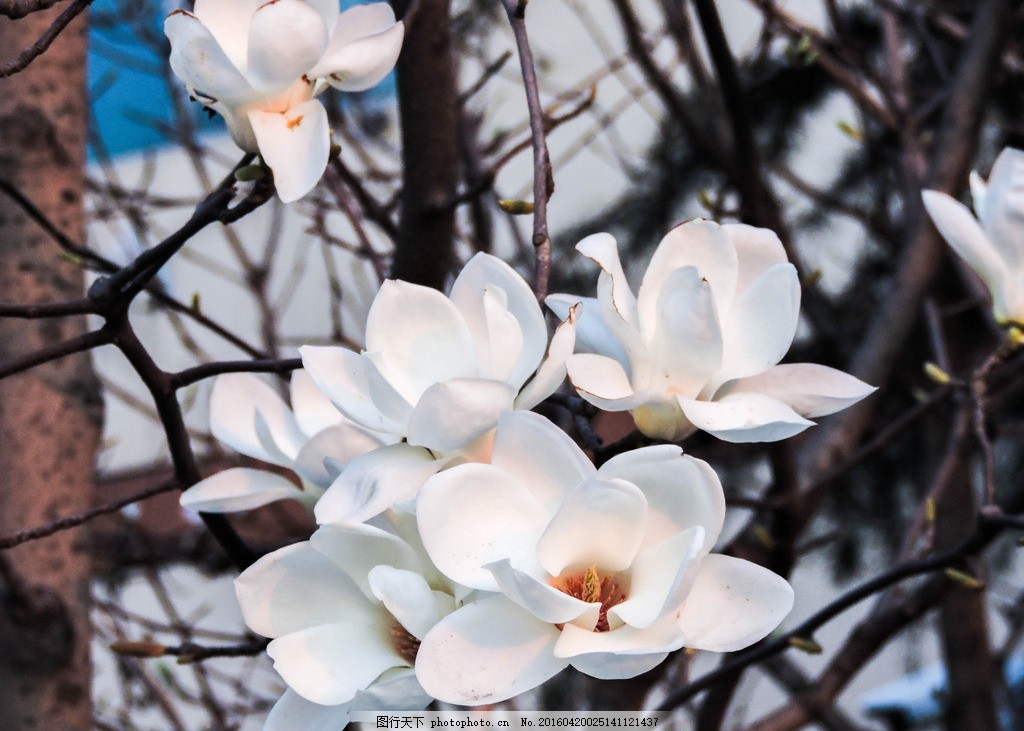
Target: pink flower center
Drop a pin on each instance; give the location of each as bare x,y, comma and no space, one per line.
590,587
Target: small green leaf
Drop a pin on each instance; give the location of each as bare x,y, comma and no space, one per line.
516,207
850,131
250,173
805,644
964,579
934,372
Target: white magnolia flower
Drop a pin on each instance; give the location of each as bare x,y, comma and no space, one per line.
311,439
437,371
394,690
699,346
347,610
261,64
993,243
606,570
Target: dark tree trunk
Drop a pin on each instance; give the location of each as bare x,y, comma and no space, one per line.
427,100
50,416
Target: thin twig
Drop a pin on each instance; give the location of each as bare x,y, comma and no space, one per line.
987,530
85,341
208,370
38,311
37,49
543,180
72,521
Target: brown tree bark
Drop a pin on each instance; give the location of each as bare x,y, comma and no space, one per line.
50,416
963,622
428,105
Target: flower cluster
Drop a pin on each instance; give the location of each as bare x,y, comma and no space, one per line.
468,549
261,66
699,346
991,243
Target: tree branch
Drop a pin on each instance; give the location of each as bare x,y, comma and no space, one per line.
543,180
37,49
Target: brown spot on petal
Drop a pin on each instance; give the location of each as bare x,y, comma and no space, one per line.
293,123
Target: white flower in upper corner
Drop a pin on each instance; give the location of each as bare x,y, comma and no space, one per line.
606,570
699,346
437,371
993,243
261,64
311,438
347,610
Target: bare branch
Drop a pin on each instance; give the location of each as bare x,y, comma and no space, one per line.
30,54
73,521
543,180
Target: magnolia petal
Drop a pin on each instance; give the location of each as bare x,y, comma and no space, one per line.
540,599
472,515
552,369
618,305
237,489
600,523
745,417
237,120
328,10
812,390
450,416
485,652
373,482
757,251
966,237
313,410
484,273
686,340
592,333
357,388
540,456
286,38
200,62
500,345
282,454
761,324
292,711
622,653
295,145
362,63
659,579
698,243
733,603
417,337
409,599
602,382
357,549
228,20
395,690
681,491
331,449
603,249
360,21
616,666
979,190
328,664
295,588
237,399
1002,216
